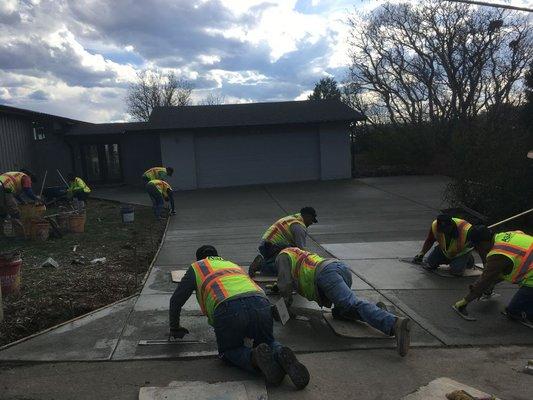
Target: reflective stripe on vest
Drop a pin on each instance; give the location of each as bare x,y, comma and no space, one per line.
518,247
280,233
457,247
218,280
12,181
162,187
303,271
156,173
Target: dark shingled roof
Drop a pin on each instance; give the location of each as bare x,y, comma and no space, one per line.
33,114
107,129
286,112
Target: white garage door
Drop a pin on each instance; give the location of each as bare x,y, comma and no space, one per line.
250,158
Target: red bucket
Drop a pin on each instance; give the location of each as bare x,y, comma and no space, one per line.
10,274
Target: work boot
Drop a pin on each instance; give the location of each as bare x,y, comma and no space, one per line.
295,369
263,358
255,265
402,331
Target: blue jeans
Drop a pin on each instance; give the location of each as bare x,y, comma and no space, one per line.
157,200
522,303
335,281
457,265
269,253
246,317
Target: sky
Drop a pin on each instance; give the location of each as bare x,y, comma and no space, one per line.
76,58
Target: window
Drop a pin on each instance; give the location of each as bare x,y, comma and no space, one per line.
38,133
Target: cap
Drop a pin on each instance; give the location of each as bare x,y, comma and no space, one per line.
309,211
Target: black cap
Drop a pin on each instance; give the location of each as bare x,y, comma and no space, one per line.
206,251
309,211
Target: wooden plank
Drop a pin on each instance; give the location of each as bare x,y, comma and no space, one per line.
177,276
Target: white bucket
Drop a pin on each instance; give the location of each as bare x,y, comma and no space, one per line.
128,214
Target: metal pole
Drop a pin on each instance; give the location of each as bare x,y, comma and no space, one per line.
44,180
63,179
510,218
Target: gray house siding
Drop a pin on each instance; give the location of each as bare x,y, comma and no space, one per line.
138,153
16,139
177,151
335,155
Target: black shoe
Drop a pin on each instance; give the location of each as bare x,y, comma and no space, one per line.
255,265
296,370
402,331
263,358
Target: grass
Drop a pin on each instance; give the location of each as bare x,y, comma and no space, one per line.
49,296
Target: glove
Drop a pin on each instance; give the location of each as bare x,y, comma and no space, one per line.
178,333
461,304
418,258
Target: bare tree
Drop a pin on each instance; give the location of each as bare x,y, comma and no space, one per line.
212,99
435,61
153,88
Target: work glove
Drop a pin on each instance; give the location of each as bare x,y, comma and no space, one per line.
461,305
178,333
418,258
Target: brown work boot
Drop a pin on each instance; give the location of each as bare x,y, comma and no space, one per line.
402,331
295,369
263,358
255,265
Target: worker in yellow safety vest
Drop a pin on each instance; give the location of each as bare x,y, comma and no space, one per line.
509,257
161,173
77,188
16,188
159,192
239,312
328,281
453,247
289,231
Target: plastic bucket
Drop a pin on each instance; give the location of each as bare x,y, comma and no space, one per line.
10,274
63,222
128,214
77,223
40,230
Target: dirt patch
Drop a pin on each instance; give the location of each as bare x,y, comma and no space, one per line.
50,296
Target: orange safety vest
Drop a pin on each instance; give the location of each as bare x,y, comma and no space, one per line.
518,247
280,233
162,187
218,280
12,181
457,246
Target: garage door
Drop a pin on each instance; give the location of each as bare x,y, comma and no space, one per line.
251,158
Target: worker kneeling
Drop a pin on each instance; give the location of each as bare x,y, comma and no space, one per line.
78,191
239,311
452,237
327,282
508,256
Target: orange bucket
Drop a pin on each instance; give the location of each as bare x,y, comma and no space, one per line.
10,273
77,223
40,229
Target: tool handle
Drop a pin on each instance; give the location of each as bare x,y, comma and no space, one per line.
510,218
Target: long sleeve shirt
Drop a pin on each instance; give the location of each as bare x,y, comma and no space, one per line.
299,234
180,296
496,266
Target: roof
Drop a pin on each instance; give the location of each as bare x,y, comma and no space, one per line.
250,114
33,114
109,128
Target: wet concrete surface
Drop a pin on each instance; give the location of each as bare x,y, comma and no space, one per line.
368,224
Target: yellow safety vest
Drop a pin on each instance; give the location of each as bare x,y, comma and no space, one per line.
156,173
303,271
518,247
162,187
79,184
280,233
218,280
457,246
12,181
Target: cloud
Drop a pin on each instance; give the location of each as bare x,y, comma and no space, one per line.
39,95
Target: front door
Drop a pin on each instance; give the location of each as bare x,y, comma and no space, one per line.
101,163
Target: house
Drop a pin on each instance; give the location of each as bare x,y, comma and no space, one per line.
217,145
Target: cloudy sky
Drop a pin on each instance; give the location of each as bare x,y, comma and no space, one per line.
75,58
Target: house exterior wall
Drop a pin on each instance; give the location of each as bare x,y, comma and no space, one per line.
16,139
177,151
335,151
139,152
